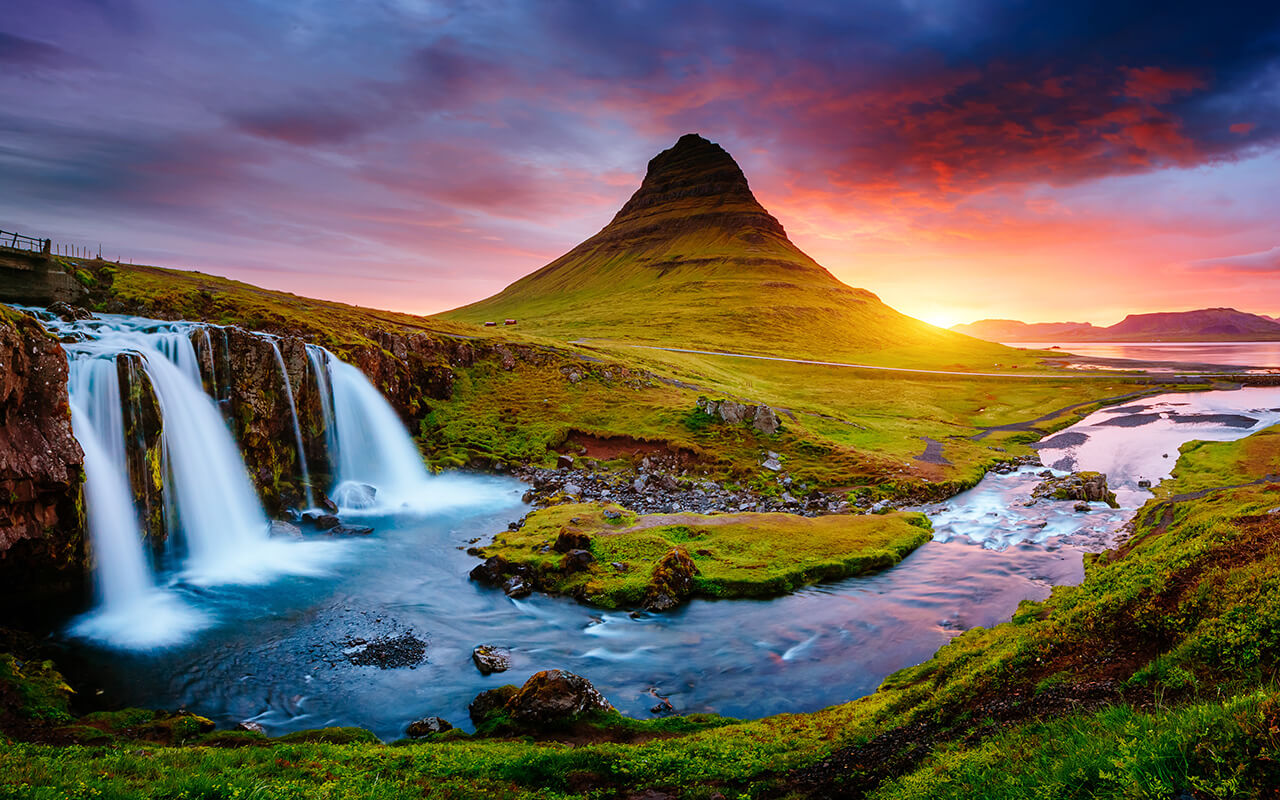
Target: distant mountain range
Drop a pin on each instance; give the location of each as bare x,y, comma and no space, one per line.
1206,324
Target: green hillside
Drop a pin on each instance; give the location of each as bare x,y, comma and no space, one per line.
693,260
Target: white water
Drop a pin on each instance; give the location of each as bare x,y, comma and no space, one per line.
297,429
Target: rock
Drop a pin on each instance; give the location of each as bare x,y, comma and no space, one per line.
671,582
328,505
554,696
1083,507
732,412
571,539
612,514
69,313
490,659
765,420
772,461
427,726
251,727
490,703
492,572
668,483
1144,484
285,529
638,484
355,495
41,539
350,530
321,522
1085,486
564,462
619,566
573,490
516,586
577,561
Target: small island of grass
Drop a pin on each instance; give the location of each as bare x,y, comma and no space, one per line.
609,557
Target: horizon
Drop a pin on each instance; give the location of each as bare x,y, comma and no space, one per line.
417,159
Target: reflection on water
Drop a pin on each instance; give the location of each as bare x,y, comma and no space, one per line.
276,656
1240,354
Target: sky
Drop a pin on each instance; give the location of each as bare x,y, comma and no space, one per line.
963,159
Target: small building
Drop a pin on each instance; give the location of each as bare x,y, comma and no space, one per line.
491,324
508,322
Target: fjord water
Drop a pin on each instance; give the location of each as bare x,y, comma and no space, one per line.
279,654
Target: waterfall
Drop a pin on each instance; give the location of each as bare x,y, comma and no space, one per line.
297,428
218,531
368,444
132,612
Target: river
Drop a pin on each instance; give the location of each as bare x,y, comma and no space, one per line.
274,653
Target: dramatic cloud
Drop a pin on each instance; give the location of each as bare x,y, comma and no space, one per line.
955,157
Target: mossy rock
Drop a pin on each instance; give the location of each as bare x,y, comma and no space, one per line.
331,736
33,690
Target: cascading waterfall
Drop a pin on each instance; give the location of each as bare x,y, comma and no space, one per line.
297,428
219,533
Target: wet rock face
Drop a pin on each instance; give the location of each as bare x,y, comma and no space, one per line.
144,456
41,467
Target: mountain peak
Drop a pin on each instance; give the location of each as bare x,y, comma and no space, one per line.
696,177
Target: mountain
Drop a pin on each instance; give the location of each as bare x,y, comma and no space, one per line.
1010,330
1206,324
693,260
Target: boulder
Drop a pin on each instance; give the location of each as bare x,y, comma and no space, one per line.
285,530
572,539
516,586
772,461
490,659
427,726
564,462
554,696
251,727
671,582
765,420
1079,486
577,561
321,522
492,572
491,704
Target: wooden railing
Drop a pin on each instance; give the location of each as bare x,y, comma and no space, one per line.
20,242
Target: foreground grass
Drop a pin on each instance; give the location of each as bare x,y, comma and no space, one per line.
736,555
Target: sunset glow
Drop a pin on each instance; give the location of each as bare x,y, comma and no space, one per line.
1114,159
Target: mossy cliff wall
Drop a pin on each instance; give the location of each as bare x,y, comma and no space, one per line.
41,470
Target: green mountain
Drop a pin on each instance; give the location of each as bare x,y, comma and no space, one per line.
693,260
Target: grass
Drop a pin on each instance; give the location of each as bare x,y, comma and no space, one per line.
736,555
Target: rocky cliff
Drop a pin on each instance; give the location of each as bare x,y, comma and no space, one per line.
41,470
